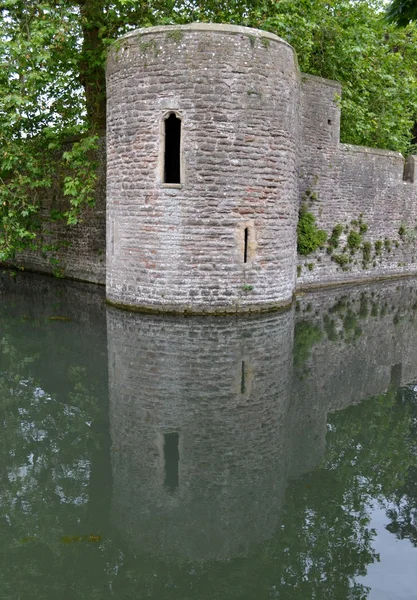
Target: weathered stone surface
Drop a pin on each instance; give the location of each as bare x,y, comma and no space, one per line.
182,248
353,184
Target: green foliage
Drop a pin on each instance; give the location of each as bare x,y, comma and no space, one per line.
52,87
30,168
366,253
342,260
401,12
354,240
378,247
334,238
349,42
309,237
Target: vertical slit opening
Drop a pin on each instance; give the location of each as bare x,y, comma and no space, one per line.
171,459
172,155
396,373
245,250
242,379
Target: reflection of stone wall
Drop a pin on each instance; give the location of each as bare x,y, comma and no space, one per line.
239,444
31,309
368,342
366,333
184,376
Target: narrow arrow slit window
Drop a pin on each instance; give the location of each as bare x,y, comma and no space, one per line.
172,154
245,249
172,458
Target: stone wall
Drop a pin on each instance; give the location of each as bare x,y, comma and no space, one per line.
81,250
360,189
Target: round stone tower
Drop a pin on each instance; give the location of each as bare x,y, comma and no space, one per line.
201,169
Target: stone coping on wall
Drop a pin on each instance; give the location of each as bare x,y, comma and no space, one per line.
365,150
212,27
328,82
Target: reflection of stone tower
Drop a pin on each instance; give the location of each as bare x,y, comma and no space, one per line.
199,431
202,140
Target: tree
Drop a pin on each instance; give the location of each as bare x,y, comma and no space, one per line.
402,12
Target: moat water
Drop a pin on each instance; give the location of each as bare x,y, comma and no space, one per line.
272,457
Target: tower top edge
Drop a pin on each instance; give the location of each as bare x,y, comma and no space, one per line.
207,27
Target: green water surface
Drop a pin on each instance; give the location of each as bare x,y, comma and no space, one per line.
271,457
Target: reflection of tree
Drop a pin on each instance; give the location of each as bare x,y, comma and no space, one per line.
402,512
48,450
325,539
323,544
369,446
371,458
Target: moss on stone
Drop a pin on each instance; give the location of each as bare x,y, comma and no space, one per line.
342,260
354,241
175,35
334,238
366,253
309,237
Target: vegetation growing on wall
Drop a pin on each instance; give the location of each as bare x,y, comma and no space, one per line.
309,237
354,241
334,238
346,242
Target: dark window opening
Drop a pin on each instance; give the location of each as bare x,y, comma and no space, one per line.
245,251
172,169
171,458
329,121
242,379
409,168
396,373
